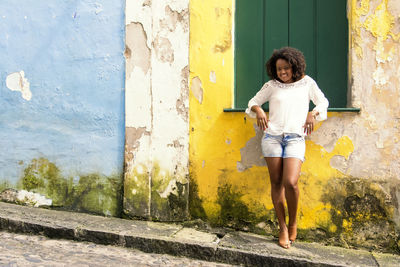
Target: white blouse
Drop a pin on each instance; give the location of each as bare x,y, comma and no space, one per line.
289,104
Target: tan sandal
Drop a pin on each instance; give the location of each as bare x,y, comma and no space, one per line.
283,239
292,233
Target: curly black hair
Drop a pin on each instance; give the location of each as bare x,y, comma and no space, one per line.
292,55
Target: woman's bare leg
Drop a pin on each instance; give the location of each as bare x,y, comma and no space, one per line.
275,166
290,177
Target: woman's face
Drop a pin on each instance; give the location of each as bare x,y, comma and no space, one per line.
284,71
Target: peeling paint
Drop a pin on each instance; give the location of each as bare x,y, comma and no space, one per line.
176,144
17,82
380,25
137,52
170,189
251,154
146,3
213,77
197,89
182,102
380,76
163,49
99,8
339,162
172,18
355,15
224,41
132,144
381,22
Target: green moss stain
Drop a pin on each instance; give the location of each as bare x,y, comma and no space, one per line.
196,209
152,193
234,212
362,212
136,192
98,194
44,177
169,196
93,193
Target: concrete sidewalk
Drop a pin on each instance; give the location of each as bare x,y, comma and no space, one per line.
174,239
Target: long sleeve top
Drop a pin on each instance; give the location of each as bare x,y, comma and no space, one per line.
289,104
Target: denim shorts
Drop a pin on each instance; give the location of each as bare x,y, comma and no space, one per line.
283,146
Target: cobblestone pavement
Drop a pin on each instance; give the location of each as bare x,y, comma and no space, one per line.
29,250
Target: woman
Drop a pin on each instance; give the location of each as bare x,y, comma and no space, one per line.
289,93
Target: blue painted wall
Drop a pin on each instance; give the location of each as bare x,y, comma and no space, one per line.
72,55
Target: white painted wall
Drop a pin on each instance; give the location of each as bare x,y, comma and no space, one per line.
157,92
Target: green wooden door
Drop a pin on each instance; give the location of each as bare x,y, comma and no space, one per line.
318,28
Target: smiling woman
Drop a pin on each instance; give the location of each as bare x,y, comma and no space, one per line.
283,146
284,71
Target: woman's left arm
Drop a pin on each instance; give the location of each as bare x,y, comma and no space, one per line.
310,122
320,101
320,112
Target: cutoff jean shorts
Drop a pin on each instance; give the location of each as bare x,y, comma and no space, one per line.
290,145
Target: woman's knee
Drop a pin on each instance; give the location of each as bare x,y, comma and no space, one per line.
276,181
291,185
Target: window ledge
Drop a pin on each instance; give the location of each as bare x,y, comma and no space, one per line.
357,110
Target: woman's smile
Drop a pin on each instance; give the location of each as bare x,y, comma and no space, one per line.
284,71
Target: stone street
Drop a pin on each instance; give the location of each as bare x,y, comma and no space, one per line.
31,250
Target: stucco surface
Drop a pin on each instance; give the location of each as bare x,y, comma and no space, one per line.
62,91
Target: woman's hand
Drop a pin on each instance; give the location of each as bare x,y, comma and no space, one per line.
262,120
310,122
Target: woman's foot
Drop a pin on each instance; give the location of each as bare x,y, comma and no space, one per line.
284,238
292,233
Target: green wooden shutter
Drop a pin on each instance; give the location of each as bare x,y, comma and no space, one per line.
249,50
316,27
276,27
331,51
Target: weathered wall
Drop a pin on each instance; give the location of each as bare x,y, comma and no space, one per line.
156,146
62,120
349,185
61,105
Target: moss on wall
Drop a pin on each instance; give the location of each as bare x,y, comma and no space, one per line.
234,212
93,193
363,213
44,177
196,209
167,199
136,192
168,196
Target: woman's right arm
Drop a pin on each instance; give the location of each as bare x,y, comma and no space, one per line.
262,120
254,106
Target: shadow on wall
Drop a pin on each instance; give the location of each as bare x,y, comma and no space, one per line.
92,193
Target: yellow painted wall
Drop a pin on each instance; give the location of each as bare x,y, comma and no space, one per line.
331,176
